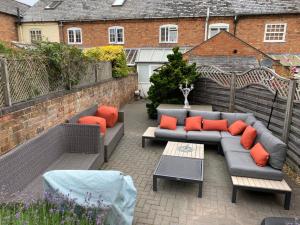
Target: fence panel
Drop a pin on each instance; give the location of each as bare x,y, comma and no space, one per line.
2,101
28,78
294,138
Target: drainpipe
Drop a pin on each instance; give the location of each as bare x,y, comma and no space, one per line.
19,28
235,21
206,24
62,38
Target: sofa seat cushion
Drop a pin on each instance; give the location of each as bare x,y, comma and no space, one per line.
112,132
180,114
241,164
232,144
179,133
226,134
205,136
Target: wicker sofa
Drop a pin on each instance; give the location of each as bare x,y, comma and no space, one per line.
113,135
239,160
62,147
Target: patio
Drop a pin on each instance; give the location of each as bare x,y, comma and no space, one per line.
177,203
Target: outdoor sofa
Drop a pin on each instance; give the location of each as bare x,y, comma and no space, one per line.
63,147
244,172
239,160
112,136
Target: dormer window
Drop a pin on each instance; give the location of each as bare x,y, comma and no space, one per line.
53,5
118,2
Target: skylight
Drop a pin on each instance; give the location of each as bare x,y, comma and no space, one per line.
53,5
118,2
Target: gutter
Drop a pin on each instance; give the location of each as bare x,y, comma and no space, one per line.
206,24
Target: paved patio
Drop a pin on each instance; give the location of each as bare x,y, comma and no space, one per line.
177,203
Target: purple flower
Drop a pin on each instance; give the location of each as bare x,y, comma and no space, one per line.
17,215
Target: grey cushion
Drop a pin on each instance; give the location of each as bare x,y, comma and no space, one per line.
260,129
206,115
232,117
233,144
251,119
276,148
179,133
241,164
112,132
205,136
180,114
226,134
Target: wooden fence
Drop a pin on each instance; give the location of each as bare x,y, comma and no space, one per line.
256,91
25,79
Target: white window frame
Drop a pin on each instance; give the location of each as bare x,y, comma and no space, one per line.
218,26
74,29
35,30
276,41
168,26
116,28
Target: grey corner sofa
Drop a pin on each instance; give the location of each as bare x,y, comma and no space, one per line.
113,135
239,160
62,147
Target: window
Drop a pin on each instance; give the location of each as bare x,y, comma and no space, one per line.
53,5
118,2
168,34
216,28
275,32
35,35
74,36
116,35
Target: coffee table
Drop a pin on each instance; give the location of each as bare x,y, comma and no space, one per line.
181,164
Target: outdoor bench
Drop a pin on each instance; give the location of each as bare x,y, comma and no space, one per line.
65,146
112,136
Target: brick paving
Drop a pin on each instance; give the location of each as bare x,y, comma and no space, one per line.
176,203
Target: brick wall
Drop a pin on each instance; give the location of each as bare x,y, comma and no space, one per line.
26,122
216,47
145,33
8,28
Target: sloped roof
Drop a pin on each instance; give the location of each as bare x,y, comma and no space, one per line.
74,10
287,59
227,63
10,7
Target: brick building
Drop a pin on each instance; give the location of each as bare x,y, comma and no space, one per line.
10,13
271,26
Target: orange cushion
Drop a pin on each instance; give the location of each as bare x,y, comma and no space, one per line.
215,125
110,114
260,155
193,123
168,122
237,127
94,120
248,137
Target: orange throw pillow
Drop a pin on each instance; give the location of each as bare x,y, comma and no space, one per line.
193,123
168,122
215,125
260,155
237,127
110,114
94,120
248,137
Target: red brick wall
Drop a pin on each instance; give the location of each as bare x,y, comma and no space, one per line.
19,126
216,47
145,33
8,28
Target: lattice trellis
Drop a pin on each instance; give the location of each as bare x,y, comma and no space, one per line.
260,76
28,78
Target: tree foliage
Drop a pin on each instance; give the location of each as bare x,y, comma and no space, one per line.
165,82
